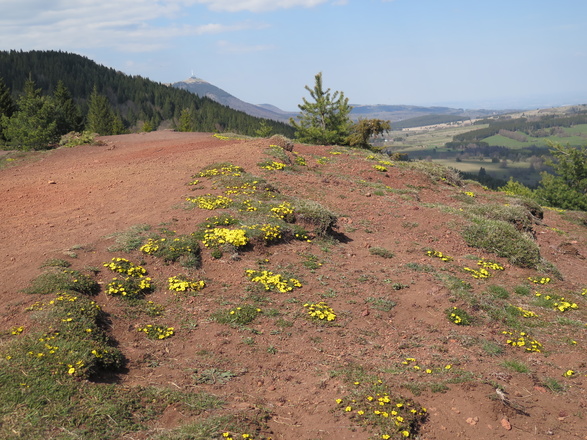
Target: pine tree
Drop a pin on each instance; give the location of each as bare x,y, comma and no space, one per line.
324,121
33,125
186,120
7,105
100,117
68,115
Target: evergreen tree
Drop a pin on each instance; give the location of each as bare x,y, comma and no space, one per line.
567,188
186,120
33,125
101,118
68,115
264,130
7,105
324,121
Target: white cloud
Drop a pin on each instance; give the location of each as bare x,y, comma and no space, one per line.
132,25
258,5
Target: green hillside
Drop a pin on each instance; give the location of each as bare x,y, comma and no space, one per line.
134,99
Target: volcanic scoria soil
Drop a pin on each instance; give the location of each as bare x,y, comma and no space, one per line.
69,203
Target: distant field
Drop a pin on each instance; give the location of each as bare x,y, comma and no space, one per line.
577,135
416,139
520,171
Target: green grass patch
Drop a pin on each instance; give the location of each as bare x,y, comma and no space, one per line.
241,315
64,280
381,252
515,365
503,239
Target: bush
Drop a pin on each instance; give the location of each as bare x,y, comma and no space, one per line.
73,139
313,213
503,239
517,215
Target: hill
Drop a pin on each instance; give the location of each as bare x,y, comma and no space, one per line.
205,89
417,114
454,311
410,115
135,99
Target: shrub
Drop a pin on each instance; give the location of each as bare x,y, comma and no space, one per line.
73,139
515,214
282,142
313,213
503,239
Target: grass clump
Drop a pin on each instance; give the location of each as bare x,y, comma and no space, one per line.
184,249
381,304
516,366
458,316
74,139
503,239
515,214
56,262
316,216
241,315
437,172
74,343
63,281
381,252
372,403
129,240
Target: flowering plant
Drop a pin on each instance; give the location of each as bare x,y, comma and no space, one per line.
320,311
181,283
157,331
271,281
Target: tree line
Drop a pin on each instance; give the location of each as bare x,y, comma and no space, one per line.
58,83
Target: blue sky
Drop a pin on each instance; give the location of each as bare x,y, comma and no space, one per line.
459,53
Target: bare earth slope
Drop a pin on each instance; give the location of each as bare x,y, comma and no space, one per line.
69,202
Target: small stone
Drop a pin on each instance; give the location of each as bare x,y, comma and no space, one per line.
51,182
506,424
365,312
471,421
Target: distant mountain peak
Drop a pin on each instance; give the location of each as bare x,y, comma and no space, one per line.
195,80
201,87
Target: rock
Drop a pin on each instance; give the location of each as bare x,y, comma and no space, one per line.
506,424
51,182
472,420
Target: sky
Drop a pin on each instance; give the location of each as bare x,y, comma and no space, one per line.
459,53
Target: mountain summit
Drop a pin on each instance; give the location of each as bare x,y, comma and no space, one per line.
202,88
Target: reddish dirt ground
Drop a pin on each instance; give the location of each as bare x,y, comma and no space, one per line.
71,201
